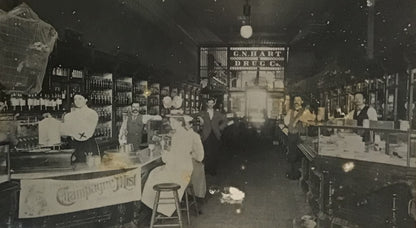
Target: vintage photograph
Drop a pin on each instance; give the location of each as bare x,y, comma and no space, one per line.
208,113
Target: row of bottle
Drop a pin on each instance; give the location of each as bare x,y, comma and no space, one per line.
31,102
123,98
122,86
65,72
102,131
104,114
101,98
27,143
120,111
97,83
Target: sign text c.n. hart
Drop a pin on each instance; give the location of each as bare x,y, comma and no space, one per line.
257,53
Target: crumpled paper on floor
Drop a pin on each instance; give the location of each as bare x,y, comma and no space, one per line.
232,195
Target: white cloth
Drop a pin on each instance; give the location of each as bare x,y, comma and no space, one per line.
49,132
80,123
178,169
198,179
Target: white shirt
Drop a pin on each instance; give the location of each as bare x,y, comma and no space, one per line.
211,113
80,123
371,113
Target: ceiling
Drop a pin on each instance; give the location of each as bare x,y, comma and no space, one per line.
167,33
322,30
219,21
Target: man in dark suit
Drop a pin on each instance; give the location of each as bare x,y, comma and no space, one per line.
213,122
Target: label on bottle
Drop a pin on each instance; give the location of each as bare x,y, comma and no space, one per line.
30,101
22,102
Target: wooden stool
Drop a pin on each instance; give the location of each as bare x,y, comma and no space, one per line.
191,189
166,187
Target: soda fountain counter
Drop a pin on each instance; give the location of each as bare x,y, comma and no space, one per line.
102,191
349,182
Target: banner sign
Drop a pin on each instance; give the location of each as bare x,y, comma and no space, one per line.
43,197
261,58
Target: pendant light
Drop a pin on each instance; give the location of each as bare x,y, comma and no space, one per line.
246,31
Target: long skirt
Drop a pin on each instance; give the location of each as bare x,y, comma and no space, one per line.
198,179
211,148
160,175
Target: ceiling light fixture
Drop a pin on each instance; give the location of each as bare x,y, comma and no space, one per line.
246,31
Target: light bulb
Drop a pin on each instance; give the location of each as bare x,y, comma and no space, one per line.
246,31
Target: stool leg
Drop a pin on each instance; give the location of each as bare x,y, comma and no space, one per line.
178,208
187,206
155,206
195,202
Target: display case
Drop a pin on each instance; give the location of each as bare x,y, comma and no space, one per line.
391,96
100,90
411,100
387,145
376,97
123,99
354,183
164,92
140,94
154,99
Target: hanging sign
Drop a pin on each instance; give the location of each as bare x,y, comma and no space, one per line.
257,58
43,197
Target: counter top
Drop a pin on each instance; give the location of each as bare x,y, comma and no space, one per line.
82,168
3,178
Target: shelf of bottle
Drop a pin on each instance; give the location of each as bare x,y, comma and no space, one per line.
123,104
103,138
99,89
99,105
104,119
26,112
124,90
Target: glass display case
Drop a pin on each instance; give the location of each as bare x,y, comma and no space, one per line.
343,140
391,96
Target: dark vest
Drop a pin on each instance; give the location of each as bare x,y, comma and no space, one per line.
295,128
362,116
134,131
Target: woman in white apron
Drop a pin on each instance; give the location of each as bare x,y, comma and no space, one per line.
177,169
198,179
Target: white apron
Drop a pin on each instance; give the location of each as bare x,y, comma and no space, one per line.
178,169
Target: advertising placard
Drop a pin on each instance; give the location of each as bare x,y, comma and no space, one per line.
44,197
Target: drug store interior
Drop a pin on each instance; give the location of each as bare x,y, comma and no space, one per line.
315,102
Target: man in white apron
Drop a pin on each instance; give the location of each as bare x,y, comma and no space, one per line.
80,124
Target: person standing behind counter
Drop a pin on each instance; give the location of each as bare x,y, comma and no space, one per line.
293,120
362,112
80,124
131,130
213,123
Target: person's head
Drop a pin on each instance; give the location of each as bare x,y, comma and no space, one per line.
188,122
80,100
135,107
210,103
297,102
177,122
359,99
